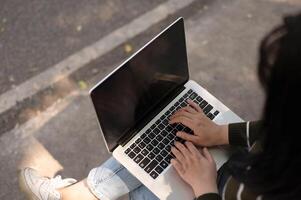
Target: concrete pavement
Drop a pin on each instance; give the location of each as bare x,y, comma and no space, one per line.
222,40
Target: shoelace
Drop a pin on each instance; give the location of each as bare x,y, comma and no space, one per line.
57,182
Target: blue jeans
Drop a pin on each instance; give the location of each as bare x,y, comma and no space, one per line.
111,181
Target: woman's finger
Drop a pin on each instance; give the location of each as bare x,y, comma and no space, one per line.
190,109
185,152
188,137
178,155
194,105
183,120
183,113
207,155
192,149
177,165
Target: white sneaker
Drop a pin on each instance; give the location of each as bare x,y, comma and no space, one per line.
37,187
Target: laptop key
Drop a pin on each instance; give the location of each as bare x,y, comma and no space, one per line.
190,91
136,149
149,147
143,136
168,128
144,152
165,122
144,162
156,131
164,133
164,153
138,140
177,104
207,109
154,174
203,104
163,164
161,146
141,145
170,137
154,142
156,150
162,118
131,154
199,99
151,135
159,137
211,116
168,148
151,166
161,126
138,158
165,141
180,127
216,112
147,131
127,151
158,169
151,156
158,122
168,158
133,146
153,126
193,96
146,140
186,130
182,140
159,158
183,104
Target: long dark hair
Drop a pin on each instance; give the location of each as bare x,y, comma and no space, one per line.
275,171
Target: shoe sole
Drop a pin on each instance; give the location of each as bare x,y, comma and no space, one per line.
24,187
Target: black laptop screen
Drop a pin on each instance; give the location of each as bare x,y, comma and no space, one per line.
126,96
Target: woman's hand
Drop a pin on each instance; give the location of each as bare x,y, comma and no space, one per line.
195,168
206,132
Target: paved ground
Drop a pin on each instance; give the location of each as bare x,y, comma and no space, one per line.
34,35
222,41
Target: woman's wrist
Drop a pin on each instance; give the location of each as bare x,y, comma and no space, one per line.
223,135
198,191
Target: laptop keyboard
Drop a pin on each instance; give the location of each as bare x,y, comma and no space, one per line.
152,150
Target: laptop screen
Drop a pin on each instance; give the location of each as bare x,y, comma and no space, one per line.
133,90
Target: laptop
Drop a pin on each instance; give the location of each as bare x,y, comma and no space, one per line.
133,105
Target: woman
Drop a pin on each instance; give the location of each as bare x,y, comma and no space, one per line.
266,167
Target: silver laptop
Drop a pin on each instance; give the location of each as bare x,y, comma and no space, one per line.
133,105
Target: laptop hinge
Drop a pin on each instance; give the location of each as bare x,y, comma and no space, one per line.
158,108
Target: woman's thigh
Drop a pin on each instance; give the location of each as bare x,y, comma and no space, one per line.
142,193
111,180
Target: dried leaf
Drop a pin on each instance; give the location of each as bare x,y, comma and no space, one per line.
128,48
79,28
249,16
82,85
